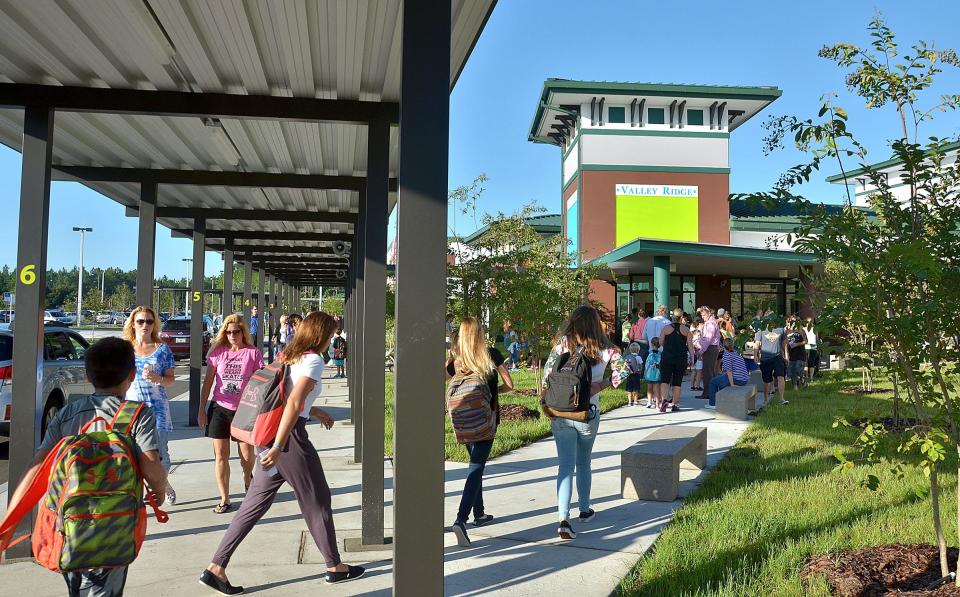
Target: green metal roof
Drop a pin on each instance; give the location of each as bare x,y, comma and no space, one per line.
668,247
638,88
545,225
884,165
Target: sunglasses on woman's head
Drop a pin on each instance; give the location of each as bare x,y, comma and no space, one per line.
144,321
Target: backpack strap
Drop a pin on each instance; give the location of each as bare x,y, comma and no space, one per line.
35,491
126,416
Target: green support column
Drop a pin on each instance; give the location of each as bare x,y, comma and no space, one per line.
661,281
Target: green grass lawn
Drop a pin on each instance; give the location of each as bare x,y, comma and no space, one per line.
773,502
510,434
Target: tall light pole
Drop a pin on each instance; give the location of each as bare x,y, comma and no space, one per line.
82,232
186,295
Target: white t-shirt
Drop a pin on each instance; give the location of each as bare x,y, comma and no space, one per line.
310,365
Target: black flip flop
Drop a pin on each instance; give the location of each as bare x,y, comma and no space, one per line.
223,508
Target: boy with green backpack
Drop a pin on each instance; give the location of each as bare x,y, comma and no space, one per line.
88,477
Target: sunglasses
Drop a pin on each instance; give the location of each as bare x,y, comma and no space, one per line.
144,321
232,332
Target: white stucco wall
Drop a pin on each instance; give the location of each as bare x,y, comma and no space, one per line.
670,151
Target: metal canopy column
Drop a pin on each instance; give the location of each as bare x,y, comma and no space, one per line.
247,288
421,296
272,305
227,302
661,281
373,334
356,339
345,323
356,410
196,320
31,292
261,309
147,243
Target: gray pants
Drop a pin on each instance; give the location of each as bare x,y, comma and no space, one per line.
103,582
299,466
710,365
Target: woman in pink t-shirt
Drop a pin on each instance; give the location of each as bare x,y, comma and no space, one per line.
232,361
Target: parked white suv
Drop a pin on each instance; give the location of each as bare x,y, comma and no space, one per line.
63,374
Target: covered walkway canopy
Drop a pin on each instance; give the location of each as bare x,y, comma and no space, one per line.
269,132
704,258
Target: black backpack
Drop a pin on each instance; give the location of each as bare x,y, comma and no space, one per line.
567,392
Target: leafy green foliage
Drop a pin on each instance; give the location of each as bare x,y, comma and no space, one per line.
512,273
891,279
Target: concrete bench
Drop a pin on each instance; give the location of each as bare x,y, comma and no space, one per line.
734,402
650,469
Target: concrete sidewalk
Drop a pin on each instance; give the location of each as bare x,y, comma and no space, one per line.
518,554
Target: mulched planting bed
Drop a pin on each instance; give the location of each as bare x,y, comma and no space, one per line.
517,412
883,570
527,392
889,423
861,391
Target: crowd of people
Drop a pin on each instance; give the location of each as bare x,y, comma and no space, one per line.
656,354
655,357
139,368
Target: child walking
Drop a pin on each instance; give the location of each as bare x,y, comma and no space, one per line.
635,378
340,354
652,374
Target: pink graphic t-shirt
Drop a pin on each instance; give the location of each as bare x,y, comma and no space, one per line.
234,369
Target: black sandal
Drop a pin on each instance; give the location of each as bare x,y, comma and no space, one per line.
223,508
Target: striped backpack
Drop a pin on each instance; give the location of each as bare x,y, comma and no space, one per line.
92,513
471,411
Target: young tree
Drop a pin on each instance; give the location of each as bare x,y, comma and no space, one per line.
91,300
515,274
123,298
899,264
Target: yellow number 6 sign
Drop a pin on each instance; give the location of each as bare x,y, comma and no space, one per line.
28,274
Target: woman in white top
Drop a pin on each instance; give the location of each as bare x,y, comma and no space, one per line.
292,459
813,352
574,439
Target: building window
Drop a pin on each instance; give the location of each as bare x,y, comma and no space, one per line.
695,117
655,116
616,115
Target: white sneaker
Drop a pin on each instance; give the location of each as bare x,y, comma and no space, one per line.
171,495
709,407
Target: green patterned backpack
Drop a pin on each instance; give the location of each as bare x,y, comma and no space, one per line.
92,513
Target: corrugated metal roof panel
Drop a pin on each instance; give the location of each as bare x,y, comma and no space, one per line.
341,49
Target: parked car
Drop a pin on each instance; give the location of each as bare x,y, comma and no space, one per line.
176,333
63,317
120,317
63,374
104,317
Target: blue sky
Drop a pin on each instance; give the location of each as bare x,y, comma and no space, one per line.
524,43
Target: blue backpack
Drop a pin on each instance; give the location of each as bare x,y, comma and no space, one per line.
652,374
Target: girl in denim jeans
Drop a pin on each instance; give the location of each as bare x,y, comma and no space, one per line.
574,439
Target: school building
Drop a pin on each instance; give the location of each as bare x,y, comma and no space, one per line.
645,179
